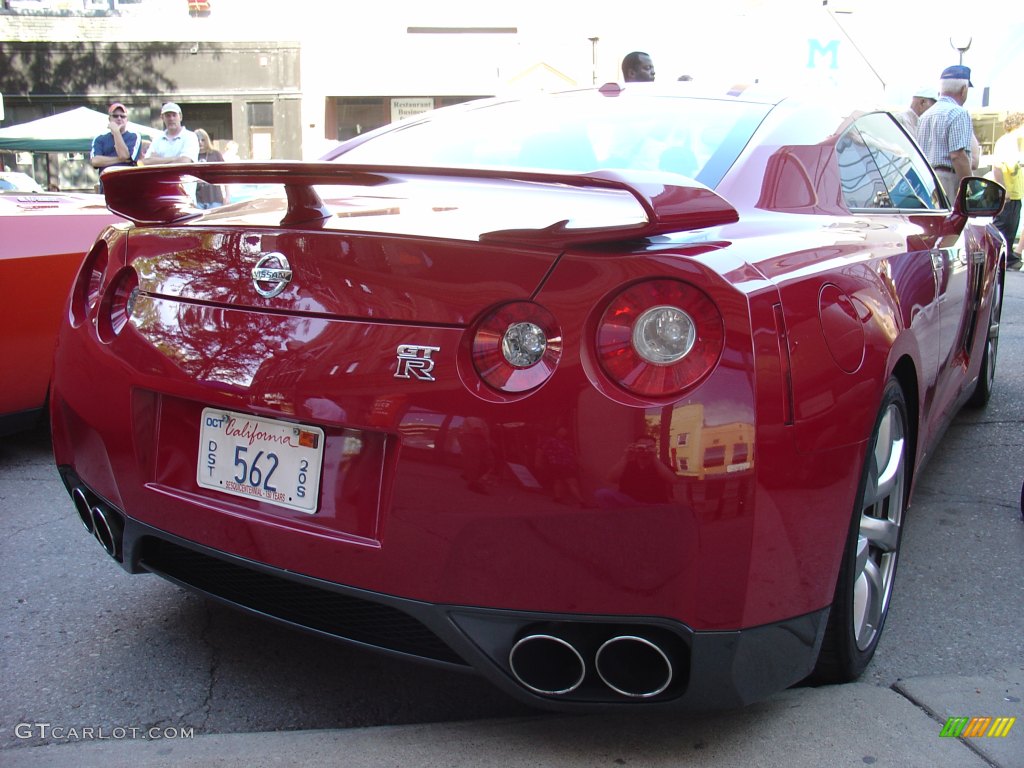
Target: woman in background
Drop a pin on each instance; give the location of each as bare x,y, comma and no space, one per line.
208,195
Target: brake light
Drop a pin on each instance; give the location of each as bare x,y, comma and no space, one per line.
517,347
660,337
117,304
90,282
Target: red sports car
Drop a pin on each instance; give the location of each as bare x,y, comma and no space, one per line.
614,396
45,237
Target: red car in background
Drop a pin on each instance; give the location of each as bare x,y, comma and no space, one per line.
45,237
614,396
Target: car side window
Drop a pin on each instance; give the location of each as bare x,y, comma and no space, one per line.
862,183
880,168
908,178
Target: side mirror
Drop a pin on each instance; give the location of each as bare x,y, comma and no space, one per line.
979,197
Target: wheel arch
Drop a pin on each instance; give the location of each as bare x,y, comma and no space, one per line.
842,658
905,373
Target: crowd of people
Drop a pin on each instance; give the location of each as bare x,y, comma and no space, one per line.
118,146
945,132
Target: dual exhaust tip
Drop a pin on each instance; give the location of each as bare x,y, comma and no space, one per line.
629,665
99,520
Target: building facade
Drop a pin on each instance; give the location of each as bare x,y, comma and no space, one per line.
246,91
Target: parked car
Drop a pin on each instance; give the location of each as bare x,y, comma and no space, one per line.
14,181
616,397
45,237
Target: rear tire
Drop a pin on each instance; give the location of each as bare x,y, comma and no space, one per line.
864,586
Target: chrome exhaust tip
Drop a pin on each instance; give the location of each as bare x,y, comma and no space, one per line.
107,528
547,665
81,502
634,666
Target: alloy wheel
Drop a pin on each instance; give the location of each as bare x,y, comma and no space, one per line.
880,520
993,335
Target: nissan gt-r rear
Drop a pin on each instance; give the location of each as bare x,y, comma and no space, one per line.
606,431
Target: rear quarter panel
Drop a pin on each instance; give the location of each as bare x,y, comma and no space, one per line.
40,253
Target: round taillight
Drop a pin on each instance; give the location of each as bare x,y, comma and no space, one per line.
664,335
523,344
516,347
660,337
117,304
90,282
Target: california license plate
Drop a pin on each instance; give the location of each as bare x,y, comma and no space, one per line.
258,458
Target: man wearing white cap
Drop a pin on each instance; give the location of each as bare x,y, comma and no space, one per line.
921,101
117,145
177,144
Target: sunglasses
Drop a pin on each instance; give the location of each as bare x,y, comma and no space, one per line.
119,115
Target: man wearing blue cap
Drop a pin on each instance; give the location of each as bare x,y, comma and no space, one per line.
945,132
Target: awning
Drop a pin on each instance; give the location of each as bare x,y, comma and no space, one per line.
71,131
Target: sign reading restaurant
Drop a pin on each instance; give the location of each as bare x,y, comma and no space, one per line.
402,108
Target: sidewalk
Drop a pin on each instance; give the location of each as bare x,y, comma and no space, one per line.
851,725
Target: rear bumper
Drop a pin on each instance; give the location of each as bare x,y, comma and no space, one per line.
706,670
11,423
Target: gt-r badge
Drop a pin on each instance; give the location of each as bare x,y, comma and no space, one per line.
271,274
414,361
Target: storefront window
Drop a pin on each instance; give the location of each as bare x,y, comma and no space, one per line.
358,114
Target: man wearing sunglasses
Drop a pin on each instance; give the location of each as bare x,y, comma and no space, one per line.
118,145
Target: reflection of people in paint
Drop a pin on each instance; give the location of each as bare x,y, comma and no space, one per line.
556,461
639,477
478,462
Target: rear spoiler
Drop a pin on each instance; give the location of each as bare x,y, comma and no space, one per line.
670,203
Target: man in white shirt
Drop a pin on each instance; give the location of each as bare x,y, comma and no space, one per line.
177,144
923,99
945,132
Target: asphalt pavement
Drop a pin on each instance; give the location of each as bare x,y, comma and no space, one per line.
851,725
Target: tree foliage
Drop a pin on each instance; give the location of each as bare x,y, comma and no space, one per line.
80,68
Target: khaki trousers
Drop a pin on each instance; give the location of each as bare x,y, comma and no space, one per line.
949,182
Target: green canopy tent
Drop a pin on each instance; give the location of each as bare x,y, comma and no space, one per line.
60,145
71,131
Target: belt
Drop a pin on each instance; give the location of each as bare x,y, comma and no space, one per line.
943,168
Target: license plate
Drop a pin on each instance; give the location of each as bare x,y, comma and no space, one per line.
258,458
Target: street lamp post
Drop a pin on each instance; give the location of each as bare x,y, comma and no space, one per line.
593,59
961,46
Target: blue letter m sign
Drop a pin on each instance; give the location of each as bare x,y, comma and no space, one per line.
816,49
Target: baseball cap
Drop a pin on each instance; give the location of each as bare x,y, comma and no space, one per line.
926,93
957,72
116,105
170,106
